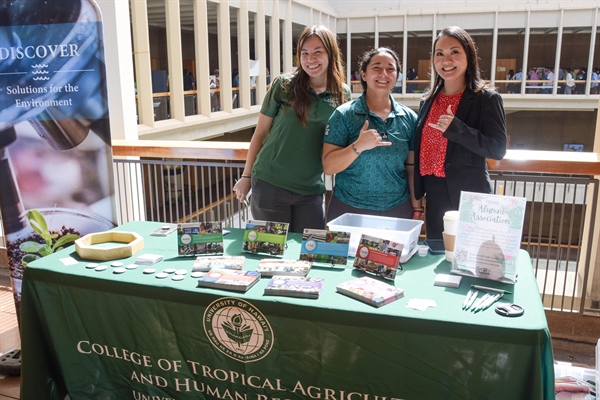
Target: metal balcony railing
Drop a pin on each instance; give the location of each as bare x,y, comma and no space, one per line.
167,182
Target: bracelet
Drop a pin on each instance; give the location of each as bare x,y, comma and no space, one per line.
247,176
355,151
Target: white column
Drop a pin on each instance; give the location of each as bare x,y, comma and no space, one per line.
141,54
261,51
224,54
274,42
175,60
202,57
119,70
244,55
288,48
121,96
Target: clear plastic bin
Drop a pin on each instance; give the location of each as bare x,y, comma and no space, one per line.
405,231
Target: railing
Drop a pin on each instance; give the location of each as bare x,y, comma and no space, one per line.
162,181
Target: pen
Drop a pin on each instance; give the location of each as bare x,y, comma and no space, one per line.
490,289
491,301
467,298
471,296
477,305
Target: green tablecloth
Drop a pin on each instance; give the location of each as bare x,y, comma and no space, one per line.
100,335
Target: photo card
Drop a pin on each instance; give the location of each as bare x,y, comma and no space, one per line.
265,237
197,238
325,246
378,256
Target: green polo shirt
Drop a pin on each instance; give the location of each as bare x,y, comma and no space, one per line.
376,180
290,157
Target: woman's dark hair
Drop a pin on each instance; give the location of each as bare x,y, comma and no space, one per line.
365,60
472,77
300,97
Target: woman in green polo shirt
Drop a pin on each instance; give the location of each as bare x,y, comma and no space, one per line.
369,144
284,166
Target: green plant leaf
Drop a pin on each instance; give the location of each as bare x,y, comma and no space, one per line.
37,221
45,251
30,247
28,258
64,240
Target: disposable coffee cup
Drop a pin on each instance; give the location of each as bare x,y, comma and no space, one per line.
449,256
448,241
451,222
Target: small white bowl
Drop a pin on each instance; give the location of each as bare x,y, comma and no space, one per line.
422,250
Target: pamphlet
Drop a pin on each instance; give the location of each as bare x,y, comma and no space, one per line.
295,286
229,279
370,291
378,256
199,238
206,263
270,267
489,236
324,246
265,237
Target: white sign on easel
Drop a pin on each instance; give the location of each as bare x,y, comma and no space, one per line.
489,236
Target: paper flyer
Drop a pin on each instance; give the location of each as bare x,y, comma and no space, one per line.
489,236
323,246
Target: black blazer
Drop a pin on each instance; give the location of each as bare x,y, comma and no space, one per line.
477,132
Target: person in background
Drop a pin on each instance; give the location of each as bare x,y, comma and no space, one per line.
215,96
518,78
411,75
570,82
189,83
510,87
369,146
461,124
283,165
550,77
594,84
398,85
534,77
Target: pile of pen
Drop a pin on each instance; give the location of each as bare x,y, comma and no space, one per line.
483,303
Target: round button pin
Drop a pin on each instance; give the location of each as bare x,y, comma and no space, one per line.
101,268
161,275
149,271
91,265
169,270
131,266
181,272
197,274
116,264
119,270
178,277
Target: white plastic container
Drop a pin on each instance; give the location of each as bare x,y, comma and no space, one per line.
405,231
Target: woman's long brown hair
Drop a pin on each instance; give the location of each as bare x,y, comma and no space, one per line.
300,96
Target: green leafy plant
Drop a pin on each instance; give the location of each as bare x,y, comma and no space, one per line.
37,250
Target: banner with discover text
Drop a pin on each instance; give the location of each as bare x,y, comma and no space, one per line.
56,180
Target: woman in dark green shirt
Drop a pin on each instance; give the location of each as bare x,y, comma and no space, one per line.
284,165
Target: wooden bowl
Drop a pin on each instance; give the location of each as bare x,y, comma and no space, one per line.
133,244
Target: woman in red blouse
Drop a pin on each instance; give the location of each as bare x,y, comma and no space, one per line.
461,124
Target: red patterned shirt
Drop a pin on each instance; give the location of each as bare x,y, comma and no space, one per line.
433,144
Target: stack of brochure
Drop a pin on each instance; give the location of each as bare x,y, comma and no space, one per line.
295,286
271,267
371,291
229,279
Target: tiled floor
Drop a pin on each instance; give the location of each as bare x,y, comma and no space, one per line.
9,337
